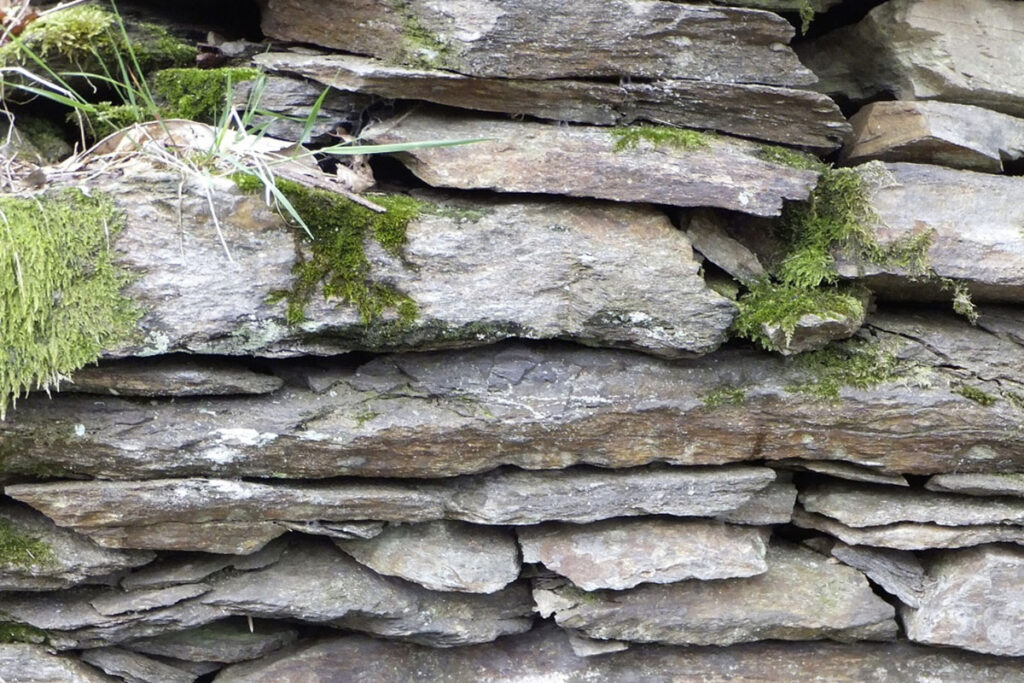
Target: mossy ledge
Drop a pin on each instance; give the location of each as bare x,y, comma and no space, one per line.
198,94
856,363
20,551
60,292
629,137
338,262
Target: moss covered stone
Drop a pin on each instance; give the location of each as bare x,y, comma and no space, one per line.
338,263
60,292
630,137
724,396
857,363
198,94
975,394
11,632
20,551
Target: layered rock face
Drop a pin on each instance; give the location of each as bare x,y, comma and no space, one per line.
534,419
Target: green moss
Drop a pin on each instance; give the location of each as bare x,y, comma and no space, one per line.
60,293
806,17
20,551
107,117
198,94
856,363
46,136
975,394
790,157
724,396
770,303
69,33
1014,398
420,48
11,632
630,137
338,262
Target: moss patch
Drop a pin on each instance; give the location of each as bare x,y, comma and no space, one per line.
60,293
198,94
856,363
724,396
784,304
11,632
975,394
790,157
20,551
630,137
338,262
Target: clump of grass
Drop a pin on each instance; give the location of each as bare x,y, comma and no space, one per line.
630,137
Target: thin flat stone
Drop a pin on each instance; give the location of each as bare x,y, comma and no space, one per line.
801,597
228,641
133,667
845,470
23,663
112,604
707,231
194,567
170,376
898,572
620,553
234,538
1008,484
582,161
340,530
771,505
441,555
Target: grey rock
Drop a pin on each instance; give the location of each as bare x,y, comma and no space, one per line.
942,133
545,654
170,376
844,470
530,39
861,505
898,572
771,505
582,161
818,6
132,667
620,553
229,641
776,114
978,484
23,663
238,538
114,603
194,567
812,331
910,535
800,597
589,647
128,512
72,560
923,50
314,581
544,269
973,601
708,234
441,555
338,530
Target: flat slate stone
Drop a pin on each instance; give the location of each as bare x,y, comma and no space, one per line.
25,663
170,376
898,572
229,641
1010,484
132,667
910,535
861,505
118,512
545,654
941,133
771,505
776,114
583,161
801,597
845,470
71,558
441,555
973,601
924,50
621,553
530,39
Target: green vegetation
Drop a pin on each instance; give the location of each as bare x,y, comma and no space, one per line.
790,157
60,293
770,303
630,137
11,632
339,229
806,17
19,551
854,363
975,394
197,94
724,396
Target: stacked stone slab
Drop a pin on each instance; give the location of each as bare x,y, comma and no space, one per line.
560,467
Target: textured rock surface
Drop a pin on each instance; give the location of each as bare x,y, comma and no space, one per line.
619,554
229,641
845,470
544,654
771,505
941,133
136,514
135,668
800,597
898,572
707,232
170,376
531,39
34,664
70,559
582,161
978,484
776,114
441,556
542,269
922,49
973,601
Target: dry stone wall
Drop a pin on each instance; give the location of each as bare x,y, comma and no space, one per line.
546,451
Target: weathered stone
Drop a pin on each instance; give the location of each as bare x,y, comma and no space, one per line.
340,530
113,603
193,567
138,512
818,6
812,331
978,484
590,647
910,535
230,640
132,667
587,161
530,39
541,269
971,221
170,376
22,663
861,505
955,135
923,50
800,597
237,538
543,408
771,505
844,470
707,232
776,114
621,553
898,572
441,555
314,581
973,601
69,558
